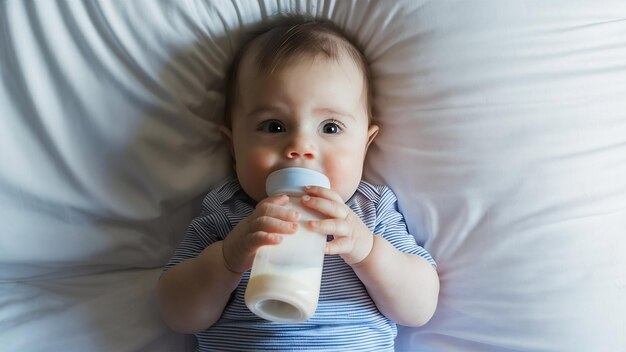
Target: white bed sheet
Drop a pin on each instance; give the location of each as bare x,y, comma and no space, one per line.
503,133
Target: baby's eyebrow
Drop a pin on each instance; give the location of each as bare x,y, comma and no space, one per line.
265,109
273,109
332,111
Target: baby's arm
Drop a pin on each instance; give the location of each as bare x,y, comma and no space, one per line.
193,294
404,286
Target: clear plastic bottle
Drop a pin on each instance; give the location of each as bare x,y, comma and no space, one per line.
285,280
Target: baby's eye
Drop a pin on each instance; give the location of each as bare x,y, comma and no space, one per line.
271,126
332,127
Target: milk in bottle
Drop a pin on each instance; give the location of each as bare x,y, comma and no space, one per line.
285,279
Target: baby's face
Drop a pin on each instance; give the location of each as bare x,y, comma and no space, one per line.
309,113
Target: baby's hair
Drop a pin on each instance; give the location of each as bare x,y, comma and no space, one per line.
290,36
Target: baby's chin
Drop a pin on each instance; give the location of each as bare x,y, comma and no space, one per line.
346,195
255,193
346,188
257,197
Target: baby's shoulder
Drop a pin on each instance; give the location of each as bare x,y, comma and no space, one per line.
218,196
375,193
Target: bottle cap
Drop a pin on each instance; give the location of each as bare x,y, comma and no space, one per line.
293,180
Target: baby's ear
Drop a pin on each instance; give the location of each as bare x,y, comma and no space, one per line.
372,132
227,133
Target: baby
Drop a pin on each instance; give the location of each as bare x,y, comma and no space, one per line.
299,95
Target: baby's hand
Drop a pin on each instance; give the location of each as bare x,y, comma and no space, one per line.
265,226
352,240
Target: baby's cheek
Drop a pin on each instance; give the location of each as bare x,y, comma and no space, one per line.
346,186
252,181
253,188
257,164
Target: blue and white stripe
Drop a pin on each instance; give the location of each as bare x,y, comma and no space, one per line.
346,318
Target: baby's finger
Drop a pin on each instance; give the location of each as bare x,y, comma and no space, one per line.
338,246
274,208
280,199
323,192
335,227
261,238
327,207
271,224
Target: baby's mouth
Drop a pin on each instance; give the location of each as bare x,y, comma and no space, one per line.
300,165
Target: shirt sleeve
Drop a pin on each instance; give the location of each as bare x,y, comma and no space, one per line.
390,225
211,226
200,234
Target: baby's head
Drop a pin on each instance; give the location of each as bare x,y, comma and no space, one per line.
298,94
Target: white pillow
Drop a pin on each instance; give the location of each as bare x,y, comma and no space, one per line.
503,133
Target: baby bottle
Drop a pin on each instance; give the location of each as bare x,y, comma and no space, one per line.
285,280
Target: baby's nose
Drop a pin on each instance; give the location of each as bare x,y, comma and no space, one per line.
301,147
305,155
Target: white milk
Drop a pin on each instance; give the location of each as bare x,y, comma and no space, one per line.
285,279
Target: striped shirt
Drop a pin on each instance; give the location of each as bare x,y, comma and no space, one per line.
346,318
